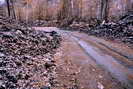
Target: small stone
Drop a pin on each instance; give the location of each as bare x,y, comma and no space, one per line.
18,32
2,55
93,70
27,76
2,87
12,79
100,86
45,87
100,76
2,72
18,63
1,83
2,64
49,64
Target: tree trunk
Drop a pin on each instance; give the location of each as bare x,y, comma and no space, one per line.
77,8
8,7
104,10
13,11
129,6
65,10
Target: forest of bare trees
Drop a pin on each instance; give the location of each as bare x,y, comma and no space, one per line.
61,9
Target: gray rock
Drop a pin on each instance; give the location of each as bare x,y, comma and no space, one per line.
2,55
45,87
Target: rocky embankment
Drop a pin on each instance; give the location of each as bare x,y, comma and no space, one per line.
26,57
121,31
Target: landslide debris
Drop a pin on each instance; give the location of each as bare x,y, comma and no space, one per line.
121,30
26,57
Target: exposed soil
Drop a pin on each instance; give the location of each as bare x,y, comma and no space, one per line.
87,62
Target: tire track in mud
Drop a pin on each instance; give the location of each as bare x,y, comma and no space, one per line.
108,62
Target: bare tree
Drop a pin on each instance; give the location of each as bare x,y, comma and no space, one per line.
65,10
8,7
65,14
104,9
129,6
13,11
77,8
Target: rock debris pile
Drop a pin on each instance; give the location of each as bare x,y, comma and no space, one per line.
122,30
26,57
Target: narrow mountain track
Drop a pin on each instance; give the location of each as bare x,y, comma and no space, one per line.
87,62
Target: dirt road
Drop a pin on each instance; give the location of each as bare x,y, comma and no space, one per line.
87,62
